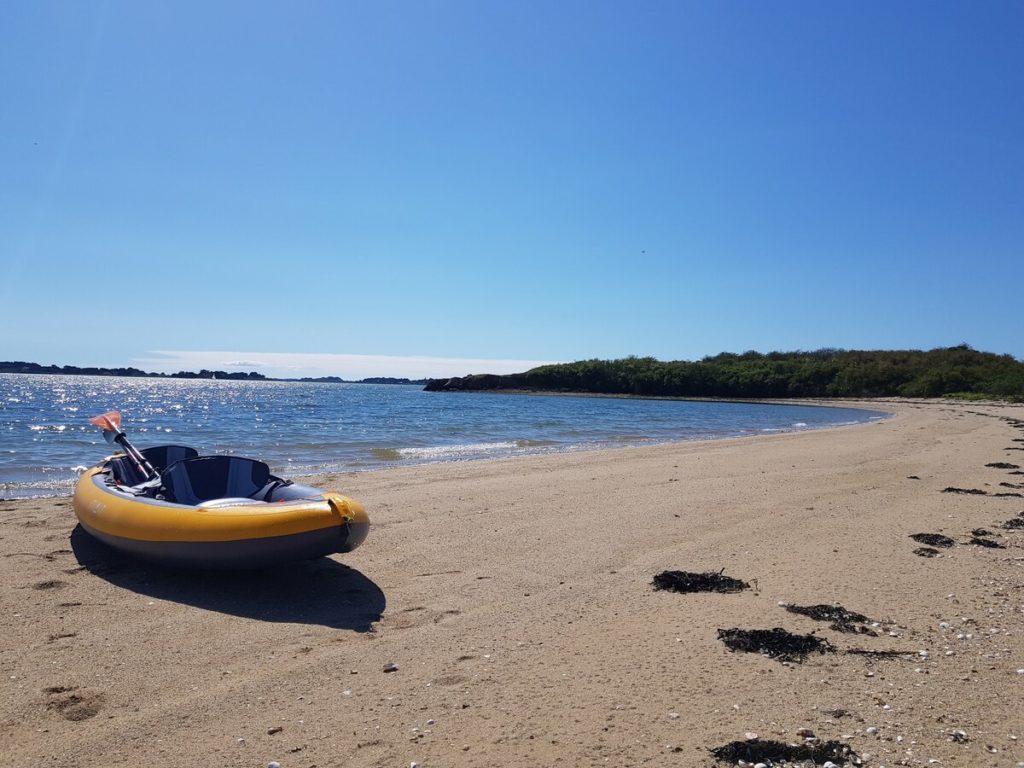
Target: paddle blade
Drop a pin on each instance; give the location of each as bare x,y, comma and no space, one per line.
108,422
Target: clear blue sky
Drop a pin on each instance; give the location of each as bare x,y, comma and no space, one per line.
518,181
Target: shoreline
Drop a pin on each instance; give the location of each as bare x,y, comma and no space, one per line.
514,596
389,464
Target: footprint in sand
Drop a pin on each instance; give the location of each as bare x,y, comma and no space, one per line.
51,584
419,615
451,680
72,704
445,615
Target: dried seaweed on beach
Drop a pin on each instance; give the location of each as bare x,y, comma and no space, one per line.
710,581
1002,465
1016,523
764,751
776,643
933,539
1010,494
841,620
926,552
986,543
974,491
981,532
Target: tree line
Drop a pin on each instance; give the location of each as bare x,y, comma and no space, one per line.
17,366
950,371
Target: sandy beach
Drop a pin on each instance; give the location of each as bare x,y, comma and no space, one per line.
515,598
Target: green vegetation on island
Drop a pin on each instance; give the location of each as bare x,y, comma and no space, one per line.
75,370
952,371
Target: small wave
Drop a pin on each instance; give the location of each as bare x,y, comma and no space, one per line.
36,489
799,423
463,451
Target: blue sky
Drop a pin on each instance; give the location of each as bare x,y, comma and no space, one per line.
491,184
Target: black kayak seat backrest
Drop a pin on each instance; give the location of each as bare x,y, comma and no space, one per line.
204,478
125,472
162,456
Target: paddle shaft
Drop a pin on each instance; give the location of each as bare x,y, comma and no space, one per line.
140,461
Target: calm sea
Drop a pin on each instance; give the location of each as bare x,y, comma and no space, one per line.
298,428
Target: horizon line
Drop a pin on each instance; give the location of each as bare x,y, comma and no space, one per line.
321,364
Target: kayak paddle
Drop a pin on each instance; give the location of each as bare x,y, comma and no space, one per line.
110,423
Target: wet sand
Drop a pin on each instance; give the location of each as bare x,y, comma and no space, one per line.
515,598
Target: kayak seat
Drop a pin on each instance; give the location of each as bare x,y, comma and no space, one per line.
125,472
199,479
162,456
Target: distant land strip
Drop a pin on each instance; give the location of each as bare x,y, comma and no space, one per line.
959,372
74,370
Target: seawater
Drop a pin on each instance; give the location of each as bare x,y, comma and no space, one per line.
305,428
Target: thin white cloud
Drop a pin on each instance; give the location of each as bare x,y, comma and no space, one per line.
298,365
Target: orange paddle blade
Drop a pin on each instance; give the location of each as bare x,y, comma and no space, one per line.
108,422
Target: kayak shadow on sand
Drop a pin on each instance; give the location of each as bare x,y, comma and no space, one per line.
320,591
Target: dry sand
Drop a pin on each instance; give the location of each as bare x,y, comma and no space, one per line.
515,597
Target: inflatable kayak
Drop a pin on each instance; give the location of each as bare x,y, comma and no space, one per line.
170,505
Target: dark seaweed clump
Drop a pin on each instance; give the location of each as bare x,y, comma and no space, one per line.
763,751
841,619
1002,465
1016,523
776,643
684,581
926,552
974,491
986,543
933,539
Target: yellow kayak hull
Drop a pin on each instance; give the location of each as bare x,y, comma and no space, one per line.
236,535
